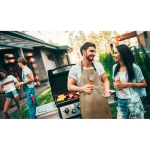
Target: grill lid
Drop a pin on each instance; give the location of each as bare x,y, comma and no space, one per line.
58,81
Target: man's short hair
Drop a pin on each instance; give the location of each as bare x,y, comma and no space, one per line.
22,60
86,45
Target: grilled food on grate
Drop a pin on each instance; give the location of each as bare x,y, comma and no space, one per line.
61,98
67,96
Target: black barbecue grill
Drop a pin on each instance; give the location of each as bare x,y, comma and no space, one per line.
58,81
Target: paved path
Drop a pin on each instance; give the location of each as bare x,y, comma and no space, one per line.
22,102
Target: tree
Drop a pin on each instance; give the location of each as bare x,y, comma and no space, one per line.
100,38
52,43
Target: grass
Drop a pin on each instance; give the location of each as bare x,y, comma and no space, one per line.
43,98
113,110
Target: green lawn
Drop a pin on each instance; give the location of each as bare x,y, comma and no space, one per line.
43,98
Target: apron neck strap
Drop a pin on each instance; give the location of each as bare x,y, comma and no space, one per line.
82,66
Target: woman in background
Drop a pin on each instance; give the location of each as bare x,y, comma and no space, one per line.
129,83
7,85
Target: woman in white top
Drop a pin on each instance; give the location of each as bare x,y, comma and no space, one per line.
132,84
7,85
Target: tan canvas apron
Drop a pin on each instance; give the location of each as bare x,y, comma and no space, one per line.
94,105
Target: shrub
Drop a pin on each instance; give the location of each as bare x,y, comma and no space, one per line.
144,64
107,61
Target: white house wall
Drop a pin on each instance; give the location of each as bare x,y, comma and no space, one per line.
48,64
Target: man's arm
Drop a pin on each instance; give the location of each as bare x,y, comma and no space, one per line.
30,79
106,85
73,88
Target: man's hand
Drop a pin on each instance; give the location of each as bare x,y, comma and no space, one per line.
106,93
87,88
18,84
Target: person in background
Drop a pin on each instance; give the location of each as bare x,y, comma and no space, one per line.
7,85
129,83
28,84
85,77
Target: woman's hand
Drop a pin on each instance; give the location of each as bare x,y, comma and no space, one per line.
120,86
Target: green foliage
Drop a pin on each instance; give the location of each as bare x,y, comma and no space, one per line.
107,61
113,108
44,97
144,62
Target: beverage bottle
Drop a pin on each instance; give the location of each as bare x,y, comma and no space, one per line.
118,80
91,82
23,100
91,79
18,87
33,100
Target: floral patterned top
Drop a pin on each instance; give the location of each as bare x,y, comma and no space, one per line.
136,93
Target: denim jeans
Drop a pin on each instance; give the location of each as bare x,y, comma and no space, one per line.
31,106
128,110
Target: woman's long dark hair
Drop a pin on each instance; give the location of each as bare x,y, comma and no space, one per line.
128,60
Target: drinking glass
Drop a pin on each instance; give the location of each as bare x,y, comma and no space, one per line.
91,82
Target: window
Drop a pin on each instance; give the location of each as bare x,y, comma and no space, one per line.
49,57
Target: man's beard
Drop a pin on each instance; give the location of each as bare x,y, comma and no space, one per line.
89,58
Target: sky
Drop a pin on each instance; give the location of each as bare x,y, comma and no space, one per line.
56,36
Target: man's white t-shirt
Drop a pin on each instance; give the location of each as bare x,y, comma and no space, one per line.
75,71
8,83
25,73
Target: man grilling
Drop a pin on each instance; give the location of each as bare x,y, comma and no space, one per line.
85,77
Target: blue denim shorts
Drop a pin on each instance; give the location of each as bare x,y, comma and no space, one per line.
11,95
128,110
